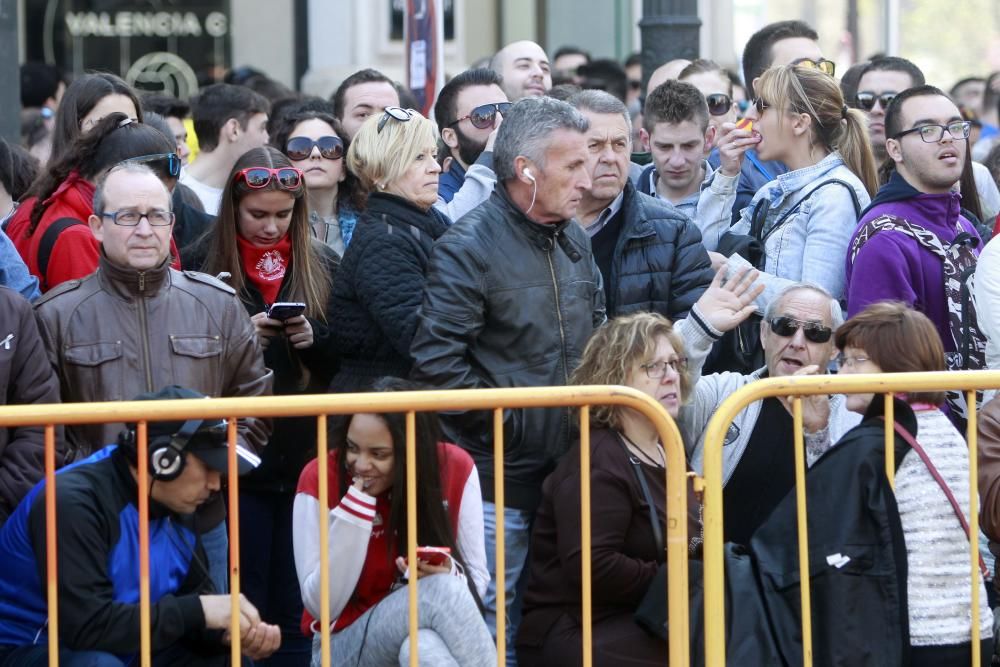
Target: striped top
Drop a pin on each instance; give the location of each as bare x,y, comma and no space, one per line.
937,549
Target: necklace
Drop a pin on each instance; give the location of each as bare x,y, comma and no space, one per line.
636,449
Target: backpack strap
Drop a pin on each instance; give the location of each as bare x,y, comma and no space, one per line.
48,242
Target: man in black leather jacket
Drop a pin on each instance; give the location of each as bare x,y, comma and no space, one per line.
650,254
512,296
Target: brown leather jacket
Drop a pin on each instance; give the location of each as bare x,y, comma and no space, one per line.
118,333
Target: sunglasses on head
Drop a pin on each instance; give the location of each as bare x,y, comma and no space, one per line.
822,64
867,100
485,115
396,113
719,104
168,163
300,148
786,327
288,178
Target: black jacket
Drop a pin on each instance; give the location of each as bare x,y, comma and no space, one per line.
378,289
859,610
509,303
659,262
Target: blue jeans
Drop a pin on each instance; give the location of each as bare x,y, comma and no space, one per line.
216,545
517,533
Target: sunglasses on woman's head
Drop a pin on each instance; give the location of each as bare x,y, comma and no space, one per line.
168,163
822,64
288,178
396,113
719,104
485,115
300,148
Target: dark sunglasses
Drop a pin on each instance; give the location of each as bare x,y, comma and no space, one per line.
288,178
397,113
786,327
168,163
719,104
300,148
823,65
485,115
759,104
867,100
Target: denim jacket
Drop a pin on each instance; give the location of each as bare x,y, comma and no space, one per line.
811,244
13,272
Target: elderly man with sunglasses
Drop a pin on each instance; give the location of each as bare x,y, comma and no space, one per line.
757,455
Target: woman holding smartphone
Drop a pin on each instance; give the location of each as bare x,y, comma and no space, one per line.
367,537
262,240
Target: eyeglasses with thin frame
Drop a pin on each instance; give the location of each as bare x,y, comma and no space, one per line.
657,369
822,64
396,113
866,100
130,217
287,178
933,133
485,115
786,327
844,361
719,104
300,148
172,165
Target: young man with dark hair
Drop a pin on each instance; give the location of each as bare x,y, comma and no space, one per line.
174,111
565,63
42,87
229,120
781,43
97,556
360,95
468,110
880,81
680,137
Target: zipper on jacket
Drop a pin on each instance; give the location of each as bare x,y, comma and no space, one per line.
144,332
562,331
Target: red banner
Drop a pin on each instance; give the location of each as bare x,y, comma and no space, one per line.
424,40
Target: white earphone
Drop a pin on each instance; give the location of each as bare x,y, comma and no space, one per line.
528,175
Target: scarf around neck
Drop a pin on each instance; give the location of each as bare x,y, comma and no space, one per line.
265,266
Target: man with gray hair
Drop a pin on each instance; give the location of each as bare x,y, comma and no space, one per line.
512,295
757,456
649,253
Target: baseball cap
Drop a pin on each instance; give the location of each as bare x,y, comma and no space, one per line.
208,441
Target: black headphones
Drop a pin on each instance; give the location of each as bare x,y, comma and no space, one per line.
166,453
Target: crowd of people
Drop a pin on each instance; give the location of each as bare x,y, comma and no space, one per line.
553,223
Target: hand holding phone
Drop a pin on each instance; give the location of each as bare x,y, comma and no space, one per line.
285,310
435,556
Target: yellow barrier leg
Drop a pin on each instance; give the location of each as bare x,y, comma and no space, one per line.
585,594
52,581
322,462
145,644
890,441
234,545
411,530
498,520
803,527
970,400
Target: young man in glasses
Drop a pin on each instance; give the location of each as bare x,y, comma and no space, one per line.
881,80
468,112
136,325
913,244
757,464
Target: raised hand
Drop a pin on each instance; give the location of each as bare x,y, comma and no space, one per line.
724,306
733,144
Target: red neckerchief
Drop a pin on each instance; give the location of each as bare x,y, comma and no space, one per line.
265,267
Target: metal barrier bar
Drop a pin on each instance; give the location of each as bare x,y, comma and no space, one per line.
890,452
886,383
585,554
411,529
409,402
499,523
52,582
322,460
803,530
972,437
142,474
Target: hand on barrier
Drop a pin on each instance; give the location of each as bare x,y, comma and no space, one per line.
815,409
725,306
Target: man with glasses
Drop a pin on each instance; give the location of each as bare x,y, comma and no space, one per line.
468,112
137,325
913,244
880,81
757,455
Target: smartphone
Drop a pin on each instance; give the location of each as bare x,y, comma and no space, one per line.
433,555
285,310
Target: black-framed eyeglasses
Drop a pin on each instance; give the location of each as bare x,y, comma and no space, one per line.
759,104
396,113
130,217
719,104
300,148
171,164
822,64
866,100
658,369
933,133
786,327
485,115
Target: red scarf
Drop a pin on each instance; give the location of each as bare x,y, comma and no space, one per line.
265,267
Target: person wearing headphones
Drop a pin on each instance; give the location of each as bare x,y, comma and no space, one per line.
98,553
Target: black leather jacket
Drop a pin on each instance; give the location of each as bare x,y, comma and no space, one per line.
508,303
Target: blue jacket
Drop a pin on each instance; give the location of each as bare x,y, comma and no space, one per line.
98,564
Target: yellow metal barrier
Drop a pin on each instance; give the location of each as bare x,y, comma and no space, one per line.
888,384
320,406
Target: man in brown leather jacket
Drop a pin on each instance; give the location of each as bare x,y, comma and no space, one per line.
135,325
